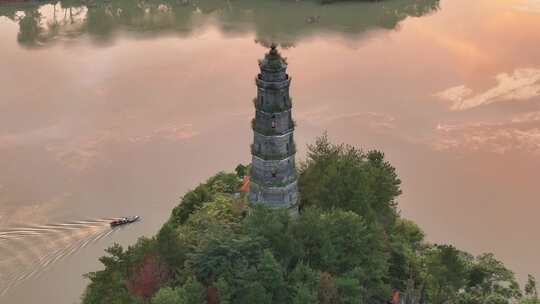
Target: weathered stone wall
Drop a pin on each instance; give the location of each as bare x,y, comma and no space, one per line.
273,146
273,96
271,75
278,122
273,172
274,197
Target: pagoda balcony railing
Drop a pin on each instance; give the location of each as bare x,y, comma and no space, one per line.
275,184
274,107
273,156
273,84
270,79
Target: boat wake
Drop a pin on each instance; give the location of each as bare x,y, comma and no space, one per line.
26,252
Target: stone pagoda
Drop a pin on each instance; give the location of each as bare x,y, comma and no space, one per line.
273,174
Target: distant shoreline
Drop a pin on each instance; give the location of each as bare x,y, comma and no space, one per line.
9,2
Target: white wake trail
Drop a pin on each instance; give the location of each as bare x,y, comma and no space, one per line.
27,252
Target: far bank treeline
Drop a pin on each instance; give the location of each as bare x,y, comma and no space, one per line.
46,22
348,245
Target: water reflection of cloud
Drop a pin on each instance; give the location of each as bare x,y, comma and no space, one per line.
79,149
39,211
532,6
34,136
373,120
522,84
80,153
169,132
520,133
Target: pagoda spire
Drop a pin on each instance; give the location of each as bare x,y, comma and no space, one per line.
273,179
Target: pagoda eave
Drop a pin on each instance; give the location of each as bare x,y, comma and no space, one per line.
273,84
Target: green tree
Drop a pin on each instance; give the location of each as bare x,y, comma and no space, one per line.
340,241
270,274
218,212
530,288
224,183
253,292
274,226
405,269
224,291
304,295
189,203
489,281
222,254
352,242
302,274
221,183
194,292
447,269
349,289
340,176
168,295
170,245
241,170
310,233
107,286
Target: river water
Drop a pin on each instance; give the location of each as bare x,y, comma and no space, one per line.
118,108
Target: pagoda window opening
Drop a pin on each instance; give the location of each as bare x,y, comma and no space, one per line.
274,173
288,147
262,100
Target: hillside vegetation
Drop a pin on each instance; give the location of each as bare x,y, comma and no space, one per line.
348,245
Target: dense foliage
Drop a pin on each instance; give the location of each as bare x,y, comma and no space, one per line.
347,245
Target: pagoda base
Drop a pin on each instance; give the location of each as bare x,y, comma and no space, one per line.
275,197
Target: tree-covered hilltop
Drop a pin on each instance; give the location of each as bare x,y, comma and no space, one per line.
348,245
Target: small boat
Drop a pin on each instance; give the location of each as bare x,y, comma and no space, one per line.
125,220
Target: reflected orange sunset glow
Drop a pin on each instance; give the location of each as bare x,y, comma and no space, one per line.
125,117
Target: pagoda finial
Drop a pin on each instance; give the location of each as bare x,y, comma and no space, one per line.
272,60
273,48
